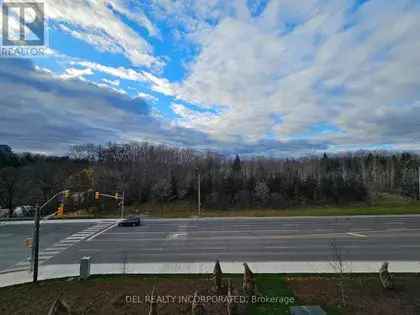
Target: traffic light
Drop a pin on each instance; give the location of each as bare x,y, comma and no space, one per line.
97,196
60,211
117,196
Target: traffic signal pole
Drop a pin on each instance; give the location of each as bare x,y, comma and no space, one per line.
35,249
116,197
419,182
122,206
35,242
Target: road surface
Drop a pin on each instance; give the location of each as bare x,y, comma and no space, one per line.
55,237
205,240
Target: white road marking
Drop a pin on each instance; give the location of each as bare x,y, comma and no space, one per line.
77,238
177,236
50,252
209,232
102,232
59,247
62,245
67,241
356,234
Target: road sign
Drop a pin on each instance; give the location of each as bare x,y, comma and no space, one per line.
28,242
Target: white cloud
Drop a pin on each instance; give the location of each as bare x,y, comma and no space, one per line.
96,23
157,84
188,118
72,73
37,105
301,64
147,97
277,74
112,82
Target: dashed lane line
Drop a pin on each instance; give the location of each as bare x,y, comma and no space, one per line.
101,232
357,235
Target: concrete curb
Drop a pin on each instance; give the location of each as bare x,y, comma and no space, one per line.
147,218
63,221
281,218
283,267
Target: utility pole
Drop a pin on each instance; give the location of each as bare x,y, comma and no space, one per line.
35,248
198,191
419,182
122,205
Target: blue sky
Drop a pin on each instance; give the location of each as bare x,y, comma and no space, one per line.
257,77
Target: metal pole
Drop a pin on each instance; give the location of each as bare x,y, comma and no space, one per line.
199,193
122,205
35,245
419,182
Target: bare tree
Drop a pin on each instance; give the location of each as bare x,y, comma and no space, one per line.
9,178
338,264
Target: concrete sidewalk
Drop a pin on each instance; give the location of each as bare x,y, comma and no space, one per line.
152,219
29,222
72,270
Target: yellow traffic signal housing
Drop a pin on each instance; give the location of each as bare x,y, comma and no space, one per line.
61,210
97,196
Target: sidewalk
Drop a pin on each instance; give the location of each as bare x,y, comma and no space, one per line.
192,218
72,270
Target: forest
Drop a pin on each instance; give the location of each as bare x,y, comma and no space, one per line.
163,174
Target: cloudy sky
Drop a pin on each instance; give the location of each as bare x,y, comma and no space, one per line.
266,77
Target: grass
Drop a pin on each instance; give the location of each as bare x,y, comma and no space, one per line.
276,286
272,286
382,205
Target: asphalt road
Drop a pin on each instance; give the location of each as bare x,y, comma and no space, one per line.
14,254
252,240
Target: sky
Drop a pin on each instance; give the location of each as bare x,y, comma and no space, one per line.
250,77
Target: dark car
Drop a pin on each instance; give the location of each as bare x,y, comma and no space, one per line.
130,221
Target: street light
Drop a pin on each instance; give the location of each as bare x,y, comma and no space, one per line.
35,248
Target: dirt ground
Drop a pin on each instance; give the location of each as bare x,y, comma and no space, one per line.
362,295
103,296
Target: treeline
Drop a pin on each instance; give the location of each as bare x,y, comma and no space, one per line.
151,173
30,179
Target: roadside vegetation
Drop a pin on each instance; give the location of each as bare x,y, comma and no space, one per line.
163,181
383,205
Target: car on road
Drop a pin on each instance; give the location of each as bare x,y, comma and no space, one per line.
24,211
130,221
4,212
